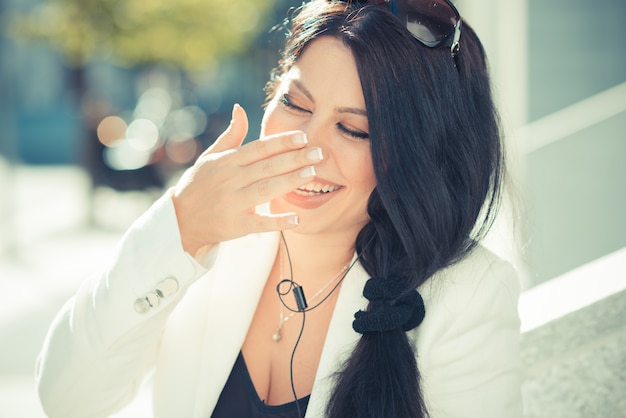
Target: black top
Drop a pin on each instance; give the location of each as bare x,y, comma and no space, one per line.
239,399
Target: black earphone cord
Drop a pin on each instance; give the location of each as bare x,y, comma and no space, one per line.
302,308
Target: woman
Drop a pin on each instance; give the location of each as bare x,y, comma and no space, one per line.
381,164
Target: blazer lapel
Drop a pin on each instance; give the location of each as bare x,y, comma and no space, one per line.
238,279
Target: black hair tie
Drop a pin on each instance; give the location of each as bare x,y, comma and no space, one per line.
387,311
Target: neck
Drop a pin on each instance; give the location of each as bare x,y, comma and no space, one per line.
316,258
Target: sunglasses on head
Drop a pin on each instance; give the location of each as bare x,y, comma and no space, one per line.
432,22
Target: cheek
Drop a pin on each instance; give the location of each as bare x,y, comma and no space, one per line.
354,160
362,179
267,118
272,123
363,169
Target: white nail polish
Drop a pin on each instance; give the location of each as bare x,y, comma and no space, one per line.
293,220
299,139
315,155
307,172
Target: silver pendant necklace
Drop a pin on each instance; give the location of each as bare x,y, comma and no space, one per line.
282,318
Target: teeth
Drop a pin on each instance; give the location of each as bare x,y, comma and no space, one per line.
315,188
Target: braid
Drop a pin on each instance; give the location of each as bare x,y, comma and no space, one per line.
436,153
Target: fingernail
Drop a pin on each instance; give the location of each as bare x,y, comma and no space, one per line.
307,172
293,220
315,155
299,139
232,113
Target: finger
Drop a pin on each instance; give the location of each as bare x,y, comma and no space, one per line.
270,188
234,134
273,222
282,164
269,146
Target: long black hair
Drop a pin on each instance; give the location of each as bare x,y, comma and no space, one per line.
437,156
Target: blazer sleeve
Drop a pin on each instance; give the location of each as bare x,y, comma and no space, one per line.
104,339
469,352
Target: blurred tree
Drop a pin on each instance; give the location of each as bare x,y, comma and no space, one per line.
189,34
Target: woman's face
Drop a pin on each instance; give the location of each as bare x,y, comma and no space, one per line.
321,95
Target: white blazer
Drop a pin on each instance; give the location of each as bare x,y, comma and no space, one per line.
103,343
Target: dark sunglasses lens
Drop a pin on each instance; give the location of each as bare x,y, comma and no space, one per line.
429,20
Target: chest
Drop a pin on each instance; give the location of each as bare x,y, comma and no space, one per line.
283,348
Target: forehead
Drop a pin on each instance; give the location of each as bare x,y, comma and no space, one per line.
327,67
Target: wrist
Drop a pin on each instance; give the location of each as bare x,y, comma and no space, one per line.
188,242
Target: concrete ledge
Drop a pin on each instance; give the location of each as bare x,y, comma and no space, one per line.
575,367
574,343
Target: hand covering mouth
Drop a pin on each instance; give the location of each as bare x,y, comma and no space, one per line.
314,188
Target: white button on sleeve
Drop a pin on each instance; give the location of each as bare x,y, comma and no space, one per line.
142,306
163,290
167,287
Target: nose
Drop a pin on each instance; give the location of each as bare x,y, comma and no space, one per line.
319,135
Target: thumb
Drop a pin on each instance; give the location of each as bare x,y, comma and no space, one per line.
234,134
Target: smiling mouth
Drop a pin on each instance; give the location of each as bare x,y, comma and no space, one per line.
316,189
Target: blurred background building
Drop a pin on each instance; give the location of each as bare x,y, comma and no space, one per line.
103,103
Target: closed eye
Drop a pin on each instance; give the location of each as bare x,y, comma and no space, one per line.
286,101
352,132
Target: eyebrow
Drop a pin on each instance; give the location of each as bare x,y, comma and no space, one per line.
307,93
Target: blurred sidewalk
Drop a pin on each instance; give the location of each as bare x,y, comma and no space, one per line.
47,247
